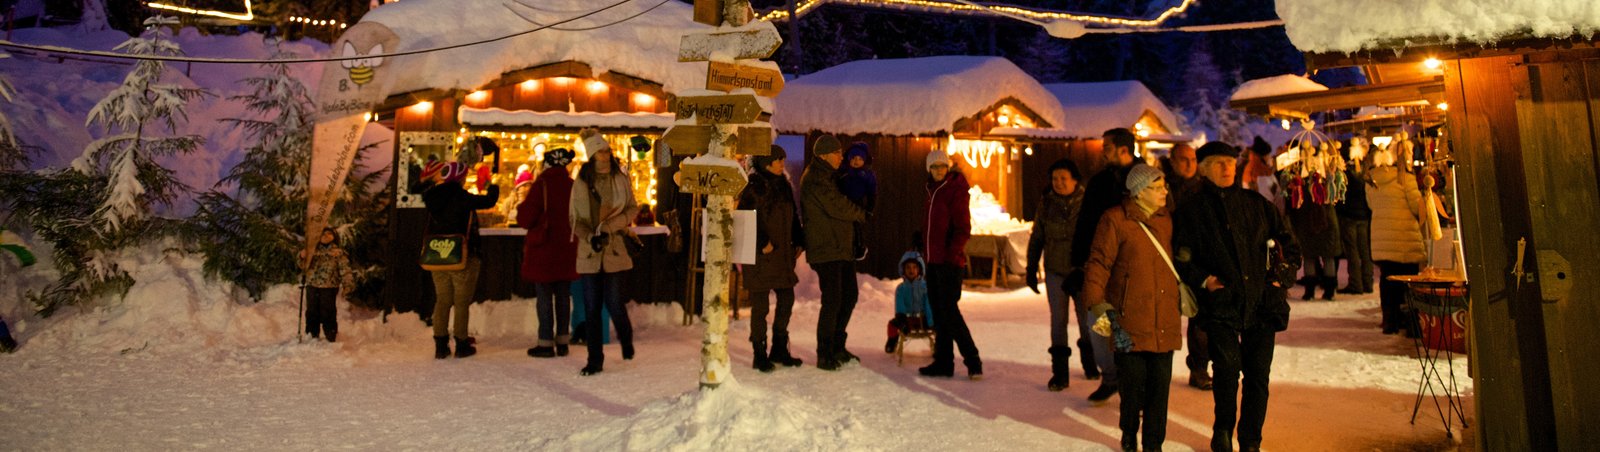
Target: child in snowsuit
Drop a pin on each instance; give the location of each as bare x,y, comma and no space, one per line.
329,270
911,308
860,184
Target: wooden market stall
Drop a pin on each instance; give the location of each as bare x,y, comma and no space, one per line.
1521,97
905,108
530,93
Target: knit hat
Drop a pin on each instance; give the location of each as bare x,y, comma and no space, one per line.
936,157
777,153
557,157
1260,147
1215,148
452,171
1141,176
431,172
593,141
825,145
639,143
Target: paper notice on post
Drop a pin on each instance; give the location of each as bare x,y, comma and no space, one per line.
744,236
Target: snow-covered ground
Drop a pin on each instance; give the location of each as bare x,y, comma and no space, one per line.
180,364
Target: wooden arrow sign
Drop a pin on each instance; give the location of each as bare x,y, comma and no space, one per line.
741,45
728,77
688,140
710,179
719,109
695,140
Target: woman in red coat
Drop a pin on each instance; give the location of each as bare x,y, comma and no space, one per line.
550,252
948,227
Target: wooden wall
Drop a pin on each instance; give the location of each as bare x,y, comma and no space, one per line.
1036,168
902,197
1528,162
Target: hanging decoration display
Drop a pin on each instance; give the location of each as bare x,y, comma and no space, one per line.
1311,170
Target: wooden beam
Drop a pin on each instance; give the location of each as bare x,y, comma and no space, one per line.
1303,104
636,84
406,99
1418,49
575,69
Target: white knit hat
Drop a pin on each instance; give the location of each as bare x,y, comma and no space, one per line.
936,156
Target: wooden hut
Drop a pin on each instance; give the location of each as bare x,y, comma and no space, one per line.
905,108
529,93
1520,96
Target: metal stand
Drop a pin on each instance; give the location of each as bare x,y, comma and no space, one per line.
1440,299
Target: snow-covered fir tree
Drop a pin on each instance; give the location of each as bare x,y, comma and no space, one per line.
11,155
251,225
133,117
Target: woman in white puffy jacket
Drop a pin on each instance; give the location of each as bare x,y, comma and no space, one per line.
1397,240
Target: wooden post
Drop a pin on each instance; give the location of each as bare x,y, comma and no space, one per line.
715,367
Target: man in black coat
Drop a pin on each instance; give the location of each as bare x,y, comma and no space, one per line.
1236,250
1106,189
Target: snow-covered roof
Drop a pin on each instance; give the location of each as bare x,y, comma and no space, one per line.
1093,108
1352,25
523,118
907,96
1276,86
645,46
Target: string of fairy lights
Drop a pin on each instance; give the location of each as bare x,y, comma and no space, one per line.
807,6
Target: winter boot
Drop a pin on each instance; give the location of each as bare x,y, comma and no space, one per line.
1311,289
1059,359
889,347
627,350
542,351
974,370
1091,371
7,344
590,369
780,354
464,347
561,350
1102,394
761,362
938,369
441,347
1328,284
332,336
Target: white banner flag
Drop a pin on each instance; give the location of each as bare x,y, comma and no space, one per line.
349,91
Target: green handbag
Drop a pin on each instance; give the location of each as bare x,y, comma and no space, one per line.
445,252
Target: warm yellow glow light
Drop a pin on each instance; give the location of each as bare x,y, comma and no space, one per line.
1432,63
478,96
563,81
1003,120
596,86
805,6
644,100
530,85
422,107
249,11
1444,106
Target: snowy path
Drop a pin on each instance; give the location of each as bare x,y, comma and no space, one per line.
1338,385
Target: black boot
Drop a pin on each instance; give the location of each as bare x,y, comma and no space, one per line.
1102,394
441,347
761,362
542,351
332,336
780,354
937,369
627,350
1311,289
1091,371
464,347
561,350
7,344
1059,359
1329,283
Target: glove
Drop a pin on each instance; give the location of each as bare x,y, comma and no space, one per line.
1033,279
598,241
1119,337
1102,326
1100,310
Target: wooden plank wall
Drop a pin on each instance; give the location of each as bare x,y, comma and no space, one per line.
1559,152
1036,168
1485,136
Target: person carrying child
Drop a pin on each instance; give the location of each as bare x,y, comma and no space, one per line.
860,184
911,308
326,272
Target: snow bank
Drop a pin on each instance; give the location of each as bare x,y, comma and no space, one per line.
645,46
732,417
907,96
1276,86
1352,25
1093,108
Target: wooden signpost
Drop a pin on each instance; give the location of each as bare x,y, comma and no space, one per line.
723,124
710,179
720,109
751,44
728,77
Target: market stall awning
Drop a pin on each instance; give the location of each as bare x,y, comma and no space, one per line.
1301,105
562,119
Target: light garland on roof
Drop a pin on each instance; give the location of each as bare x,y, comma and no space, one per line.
317,22
249,11
955,7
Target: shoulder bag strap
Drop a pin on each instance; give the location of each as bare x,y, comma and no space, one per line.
1161,250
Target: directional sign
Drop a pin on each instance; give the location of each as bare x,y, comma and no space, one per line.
728,77
720,109
752,44
694,140
710,179
754,140
687,140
